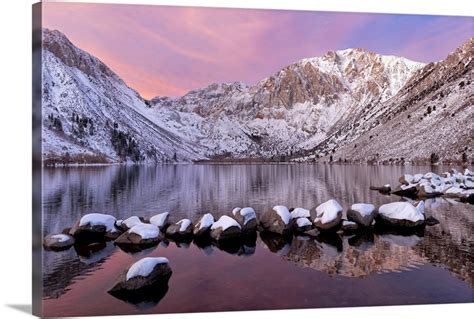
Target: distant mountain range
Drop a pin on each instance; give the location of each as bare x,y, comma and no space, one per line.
351,105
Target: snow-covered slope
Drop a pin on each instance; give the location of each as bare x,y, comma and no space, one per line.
351,104
91,115
296,108
432,113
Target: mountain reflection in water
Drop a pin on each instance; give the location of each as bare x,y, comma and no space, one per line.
192,190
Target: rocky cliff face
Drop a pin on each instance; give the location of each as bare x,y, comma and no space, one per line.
353,104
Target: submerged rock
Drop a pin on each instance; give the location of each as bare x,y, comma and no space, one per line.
361,213
328,215
348,226
58,242
276,220
246,217
203,226
182,228
386,189
146,273
225,228
431,221
402,214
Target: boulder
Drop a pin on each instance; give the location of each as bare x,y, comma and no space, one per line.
426,190
146,273
246,217
302,224
276,220
402,214
225,228
203,226
182,228
58,242
328,215
92,227
361,213
140,235
160,220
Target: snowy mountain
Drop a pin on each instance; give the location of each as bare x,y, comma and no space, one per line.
91,115
432,114
314,108
296,108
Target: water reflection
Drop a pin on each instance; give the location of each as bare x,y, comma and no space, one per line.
191,190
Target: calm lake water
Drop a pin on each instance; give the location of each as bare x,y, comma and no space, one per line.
375,269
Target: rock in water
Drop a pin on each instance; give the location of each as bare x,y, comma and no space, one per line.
406,191
431,221
160,220
225,228
140,235
92,227
386,189
362,213
328,215
402,214
146,273
246,217
302,224
58,242
203,226
182,228
128,223
276,220
348,226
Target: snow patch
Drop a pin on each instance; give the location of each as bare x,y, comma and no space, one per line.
145,231
283,212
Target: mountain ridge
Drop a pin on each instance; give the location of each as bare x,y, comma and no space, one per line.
304,112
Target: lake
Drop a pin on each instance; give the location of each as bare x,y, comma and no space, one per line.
268,273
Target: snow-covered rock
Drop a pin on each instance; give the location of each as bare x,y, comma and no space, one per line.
160,220
203,225
225,228
327,215
58,242
183,227
302,224
146,273
300,212
246,217
93,226
402,214
276,220
128,223
362,213
140,235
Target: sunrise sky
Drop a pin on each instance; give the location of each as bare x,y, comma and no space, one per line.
169,51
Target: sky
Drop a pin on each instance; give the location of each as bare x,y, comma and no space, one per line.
168,51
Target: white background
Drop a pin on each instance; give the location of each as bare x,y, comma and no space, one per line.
15,148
